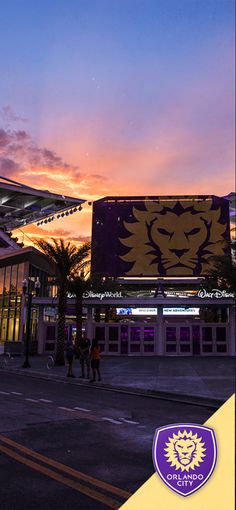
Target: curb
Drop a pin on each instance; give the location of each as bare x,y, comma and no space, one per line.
213,403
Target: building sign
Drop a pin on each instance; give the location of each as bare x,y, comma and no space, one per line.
215,293
181,311
153,311
101,295
158,236
136,311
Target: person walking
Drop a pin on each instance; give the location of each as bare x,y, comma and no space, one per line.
95,356
70,357
84,348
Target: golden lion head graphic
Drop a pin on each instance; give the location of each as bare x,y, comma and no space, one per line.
185,450
176,237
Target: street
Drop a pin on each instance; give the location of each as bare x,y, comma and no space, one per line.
68,446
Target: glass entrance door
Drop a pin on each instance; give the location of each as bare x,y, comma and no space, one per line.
196,339
178,340
127,339
142,339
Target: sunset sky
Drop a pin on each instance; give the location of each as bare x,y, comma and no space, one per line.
116,97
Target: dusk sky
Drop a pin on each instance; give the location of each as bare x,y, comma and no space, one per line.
117,97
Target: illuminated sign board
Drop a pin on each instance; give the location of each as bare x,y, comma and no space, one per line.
136,311
158,236
153,311
181,311
215,293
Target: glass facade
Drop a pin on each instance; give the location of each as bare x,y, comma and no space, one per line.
11,278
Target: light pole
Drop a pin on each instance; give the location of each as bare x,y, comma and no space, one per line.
160,292
28,292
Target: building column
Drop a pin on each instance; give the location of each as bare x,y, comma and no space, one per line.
231,329
89,324
160,331
22,319
41,329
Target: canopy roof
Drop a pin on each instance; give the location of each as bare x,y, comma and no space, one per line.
21,204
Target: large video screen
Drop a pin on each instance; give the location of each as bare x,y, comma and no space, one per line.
158,236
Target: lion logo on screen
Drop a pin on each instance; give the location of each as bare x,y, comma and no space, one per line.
185,450
174,238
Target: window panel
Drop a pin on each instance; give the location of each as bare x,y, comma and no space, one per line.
207,334
135,348
135,334
148,335
170,334
100,333
221,334
221,348
113,334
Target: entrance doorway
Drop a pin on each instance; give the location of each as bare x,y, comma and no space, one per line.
137,339
193,339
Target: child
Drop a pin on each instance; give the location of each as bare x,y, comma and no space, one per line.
95,360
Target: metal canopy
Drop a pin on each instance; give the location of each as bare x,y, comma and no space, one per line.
21,204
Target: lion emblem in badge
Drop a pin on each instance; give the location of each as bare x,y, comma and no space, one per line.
184,456
185,450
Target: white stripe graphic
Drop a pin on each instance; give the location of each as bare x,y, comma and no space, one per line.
82,409
111,420
66,409
129,421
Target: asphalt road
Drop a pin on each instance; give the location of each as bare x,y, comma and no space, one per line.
55,436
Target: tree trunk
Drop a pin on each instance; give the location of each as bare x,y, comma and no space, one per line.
79,314
60,360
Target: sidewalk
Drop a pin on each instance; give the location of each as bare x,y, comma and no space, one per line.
198,380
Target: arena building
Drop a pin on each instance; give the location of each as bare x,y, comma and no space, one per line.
157,252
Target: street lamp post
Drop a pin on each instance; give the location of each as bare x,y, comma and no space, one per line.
28,291
160,292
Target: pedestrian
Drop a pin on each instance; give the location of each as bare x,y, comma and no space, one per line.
84,353
70,357
95,356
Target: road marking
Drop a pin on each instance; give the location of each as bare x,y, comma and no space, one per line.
66,409
31,400
107,500
45,400
129,421
4,393
82,409
111,420
16,393
66,469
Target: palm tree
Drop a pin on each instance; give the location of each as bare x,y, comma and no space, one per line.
67,259
223,273
77,286
83,281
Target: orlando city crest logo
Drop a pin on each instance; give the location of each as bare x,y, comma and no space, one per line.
184,456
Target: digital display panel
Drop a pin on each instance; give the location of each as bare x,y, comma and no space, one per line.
153,311
158,236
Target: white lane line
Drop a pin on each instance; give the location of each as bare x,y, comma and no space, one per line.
45,400
111,420
82,409
129,421
31,400
16,393
66,409
4,393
